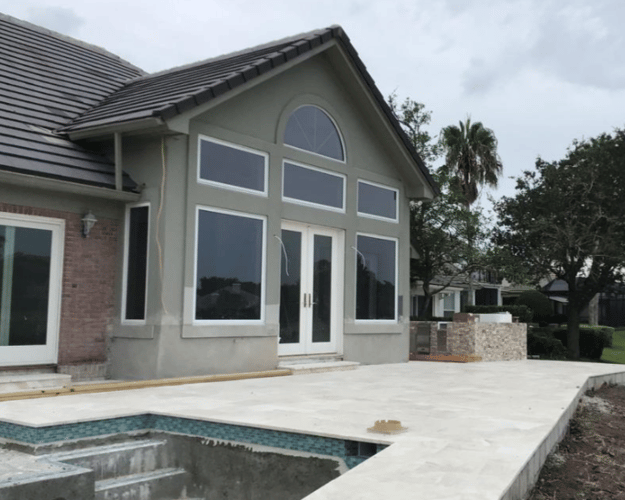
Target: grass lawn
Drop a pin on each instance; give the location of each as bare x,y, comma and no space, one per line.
616,353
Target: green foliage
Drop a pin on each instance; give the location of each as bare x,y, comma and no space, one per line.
449,238
607,332
471,157
592,341
541,342
524,313
567,220
537,302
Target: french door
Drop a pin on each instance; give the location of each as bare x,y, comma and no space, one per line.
311,289
31,257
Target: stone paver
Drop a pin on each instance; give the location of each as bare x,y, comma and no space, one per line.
471,427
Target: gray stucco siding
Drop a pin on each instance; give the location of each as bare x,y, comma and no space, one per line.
255,119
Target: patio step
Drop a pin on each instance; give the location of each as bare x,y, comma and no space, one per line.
302,365
114,460
33,381
162,484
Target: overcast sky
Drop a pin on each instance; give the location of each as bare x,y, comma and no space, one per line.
538,72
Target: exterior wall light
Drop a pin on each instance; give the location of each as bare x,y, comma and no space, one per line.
88,222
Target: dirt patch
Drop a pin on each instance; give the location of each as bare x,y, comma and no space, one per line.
589,463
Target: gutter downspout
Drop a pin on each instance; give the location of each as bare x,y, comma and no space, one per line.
117,136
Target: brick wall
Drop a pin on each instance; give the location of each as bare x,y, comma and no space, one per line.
89,268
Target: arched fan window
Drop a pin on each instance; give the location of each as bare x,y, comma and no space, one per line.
311,129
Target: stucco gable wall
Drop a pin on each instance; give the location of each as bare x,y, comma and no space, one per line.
260,113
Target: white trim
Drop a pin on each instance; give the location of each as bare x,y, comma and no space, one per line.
377,217
378,321
224,185
263,274
336,126
311,204
47,353
125,321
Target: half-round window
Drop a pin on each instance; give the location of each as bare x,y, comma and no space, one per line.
311,129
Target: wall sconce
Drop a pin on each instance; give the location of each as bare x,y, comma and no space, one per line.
88,222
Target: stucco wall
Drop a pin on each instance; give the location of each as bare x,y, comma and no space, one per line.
174,343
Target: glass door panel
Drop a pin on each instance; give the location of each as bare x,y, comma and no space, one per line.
25,269
290,287
322,288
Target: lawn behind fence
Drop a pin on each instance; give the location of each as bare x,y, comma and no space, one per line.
616,353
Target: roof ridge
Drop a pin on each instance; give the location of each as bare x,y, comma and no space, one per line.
69,39
245,51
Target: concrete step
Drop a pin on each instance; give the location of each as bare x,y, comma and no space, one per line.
25,382
162,484
119,459
314,366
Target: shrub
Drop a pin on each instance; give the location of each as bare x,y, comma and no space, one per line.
592,340
537,302
524,313
541,341
433,318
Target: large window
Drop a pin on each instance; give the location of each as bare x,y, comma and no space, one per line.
376,278
229,266
311,129
313,187
135,265
376,201
231,166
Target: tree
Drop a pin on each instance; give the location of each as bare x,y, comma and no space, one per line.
447,236
567,219
471,156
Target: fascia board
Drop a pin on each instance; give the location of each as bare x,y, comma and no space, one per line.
47,184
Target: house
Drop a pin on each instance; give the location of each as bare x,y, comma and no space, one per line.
207,219
484,287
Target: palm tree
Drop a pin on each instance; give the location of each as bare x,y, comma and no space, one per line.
471,156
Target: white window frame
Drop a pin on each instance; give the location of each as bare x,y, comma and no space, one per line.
263,273
125,321
311,204
336,126
49,352
378,217
223,185
357,252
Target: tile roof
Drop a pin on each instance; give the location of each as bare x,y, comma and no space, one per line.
50,83
167,94
46,80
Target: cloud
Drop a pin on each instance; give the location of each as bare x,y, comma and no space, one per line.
59,19
578,44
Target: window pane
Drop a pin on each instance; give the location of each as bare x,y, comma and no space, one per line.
313,186
137,262
229,266
25,281
310,129
375,200
227,165
375,279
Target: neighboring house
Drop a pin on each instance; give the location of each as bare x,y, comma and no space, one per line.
606,308
247,207
485,288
